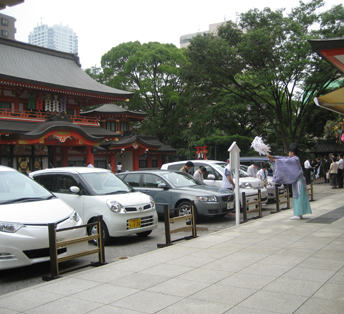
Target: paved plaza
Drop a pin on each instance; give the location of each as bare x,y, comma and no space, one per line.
268,265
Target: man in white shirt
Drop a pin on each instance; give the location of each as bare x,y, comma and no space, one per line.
308,168
252,170
263,174
340,163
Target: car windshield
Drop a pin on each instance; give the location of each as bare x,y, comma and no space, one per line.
222,165
180,179
17,187
103,183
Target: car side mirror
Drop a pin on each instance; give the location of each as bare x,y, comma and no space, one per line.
163,186
211,177
74,189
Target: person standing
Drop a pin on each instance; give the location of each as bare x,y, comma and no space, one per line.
252,170
186,168
326,167
89,165
308,168
288,170
109,166
199,173
340,163
263,174
119,167
333,172
227,179
318,170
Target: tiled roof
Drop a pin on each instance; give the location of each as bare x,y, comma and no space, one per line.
25,63
112,109
327,147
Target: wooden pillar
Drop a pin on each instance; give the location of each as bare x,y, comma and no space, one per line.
149,161
89,155
136,163
113,163
64,156
159,160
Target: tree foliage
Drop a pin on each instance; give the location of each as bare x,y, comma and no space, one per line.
263,59
151,71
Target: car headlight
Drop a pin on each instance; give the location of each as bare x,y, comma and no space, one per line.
116,207
245,185
10,227
207,198
152,203
74,216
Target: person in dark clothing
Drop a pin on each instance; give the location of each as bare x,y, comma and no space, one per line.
326,168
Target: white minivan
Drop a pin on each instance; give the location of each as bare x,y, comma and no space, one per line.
26,209
214,173
95,191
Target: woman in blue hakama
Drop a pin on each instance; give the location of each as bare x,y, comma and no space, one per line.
287,170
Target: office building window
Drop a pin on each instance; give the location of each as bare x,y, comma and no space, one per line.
4,33
4,21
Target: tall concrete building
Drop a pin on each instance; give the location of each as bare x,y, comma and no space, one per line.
7,26
57,37
185,39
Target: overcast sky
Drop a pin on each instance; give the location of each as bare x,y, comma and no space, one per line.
103,24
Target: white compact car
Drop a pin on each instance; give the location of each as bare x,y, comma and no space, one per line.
26,209
214,173
94,191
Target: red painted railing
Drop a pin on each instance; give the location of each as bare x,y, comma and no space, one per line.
23,115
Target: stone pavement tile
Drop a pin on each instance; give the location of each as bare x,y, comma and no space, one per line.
331,291
67,286
311,274
206,275
193,261
102,274
223,294
266,269
6,311
246,310
167,270
146,302
335,246
108,309
179,287
307,245
27,299
68,305
226,264
282,260
293,286
321,306
224,249
338,278
274,302
261,248
303,253
249,239
192,306
105,293
318,238
134,264
334,255
244,280
281,241
326,264
139,281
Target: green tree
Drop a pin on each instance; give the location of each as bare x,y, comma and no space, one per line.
151,71
265,59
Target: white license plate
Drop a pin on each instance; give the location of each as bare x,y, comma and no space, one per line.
230,205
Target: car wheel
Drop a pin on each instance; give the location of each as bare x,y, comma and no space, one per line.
144,234
93,230
184,209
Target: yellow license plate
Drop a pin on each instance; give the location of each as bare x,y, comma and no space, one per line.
134,223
